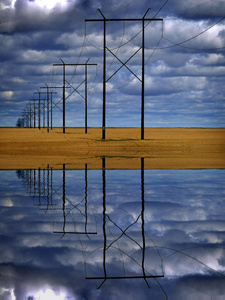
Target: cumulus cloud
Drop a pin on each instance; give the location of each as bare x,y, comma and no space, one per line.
36,36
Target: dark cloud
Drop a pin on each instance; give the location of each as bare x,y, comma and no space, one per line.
34,38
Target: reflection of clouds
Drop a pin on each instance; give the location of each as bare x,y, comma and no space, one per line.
184,230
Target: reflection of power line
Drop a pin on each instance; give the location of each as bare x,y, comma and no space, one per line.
39,185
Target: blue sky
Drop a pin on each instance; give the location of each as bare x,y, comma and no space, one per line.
184,83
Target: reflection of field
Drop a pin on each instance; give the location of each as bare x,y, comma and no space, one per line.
163,148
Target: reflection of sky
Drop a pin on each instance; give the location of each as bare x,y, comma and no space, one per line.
184,234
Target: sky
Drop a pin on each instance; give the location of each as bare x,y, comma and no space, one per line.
183,211
184,61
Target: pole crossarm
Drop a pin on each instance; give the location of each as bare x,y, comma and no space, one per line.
146,19
74,64
126,277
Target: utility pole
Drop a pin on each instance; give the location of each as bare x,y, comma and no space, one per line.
104,20
47,87
75,90
39,108
30,114
34,112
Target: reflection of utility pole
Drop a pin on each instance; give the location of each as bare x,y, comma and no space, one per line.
142,217
105,247
39,185
64,86
75,206
104,20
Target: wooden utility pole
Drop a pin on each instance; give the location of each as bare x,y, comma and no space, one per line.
104,20
75,90
48,87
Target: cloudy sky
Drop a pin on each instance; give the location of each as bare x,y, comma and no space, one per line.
183,224
184,60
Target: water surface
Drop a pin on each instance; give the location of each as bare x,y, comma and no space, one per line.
112,234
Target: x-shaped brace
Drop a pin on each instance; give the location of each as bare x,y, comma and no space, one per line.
124,64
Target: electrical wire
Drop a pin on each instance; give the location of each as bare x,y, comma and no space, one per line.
202,31
187,47
75,69
160,9
193,37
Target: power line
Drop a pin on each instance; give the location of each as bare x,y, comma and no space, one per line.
180,43
193,37
160,8
187,47
202,31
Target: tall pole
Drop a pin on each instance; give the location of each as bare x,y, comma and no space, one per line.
86,98
104,82
143,79
51,110
104,76
64,96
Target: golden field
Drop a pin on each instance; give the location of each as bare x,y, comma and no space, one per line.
162,148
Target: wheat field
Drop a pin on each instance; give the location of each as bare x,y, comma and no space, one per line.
162,148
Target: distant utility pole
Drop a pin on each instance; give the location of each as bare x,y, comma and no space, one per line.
30,115
75,90
33,99
104,20
39,109
48,87
26,114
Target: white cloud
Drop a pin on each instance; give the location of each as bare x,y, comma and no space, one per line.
7,95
